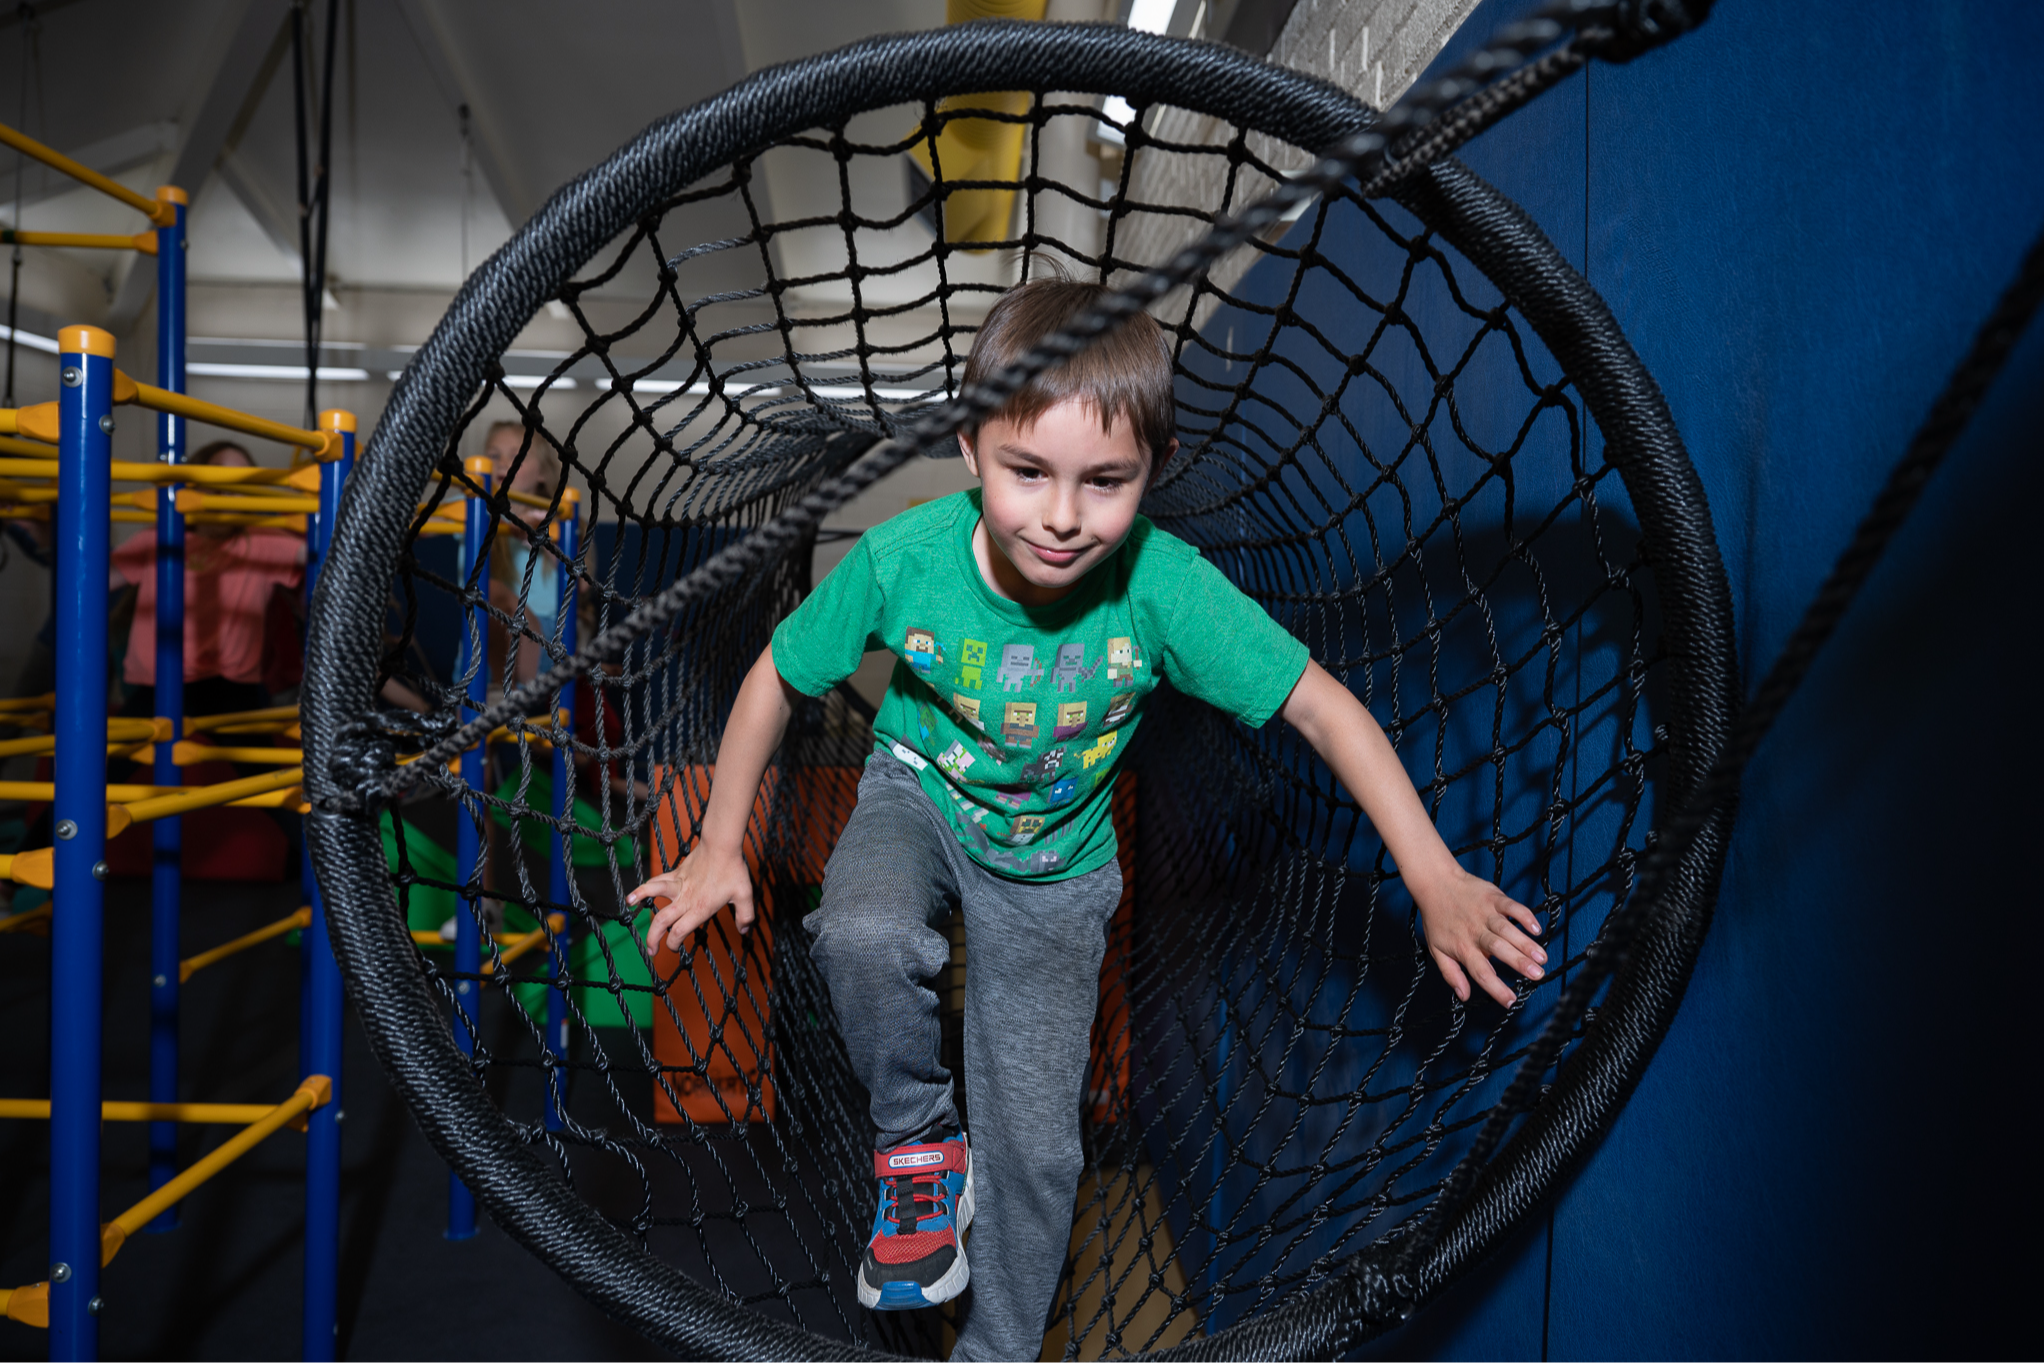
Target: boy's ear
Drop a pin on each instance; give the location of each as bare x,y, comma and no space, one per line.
1157,464
967,453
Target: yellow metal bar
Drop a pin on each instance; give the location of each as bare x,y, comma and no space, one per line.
222,793
187,967
46,701
316,1091
32,449
242,721
42,463
162,212
127,392
145,242
190,499
30,1305
519,945
198,1114
37,423
38,866
23,922
186,753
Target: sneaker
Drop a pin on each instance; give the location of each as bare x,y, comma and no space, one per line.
917,1254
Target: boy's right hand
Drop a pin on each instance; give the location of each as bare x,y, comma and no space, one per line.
694,891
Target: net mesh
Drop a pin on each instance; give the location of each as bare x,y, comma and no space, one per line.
1376,447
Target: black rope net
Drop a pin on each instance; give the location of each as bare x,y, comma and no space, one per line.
1409,431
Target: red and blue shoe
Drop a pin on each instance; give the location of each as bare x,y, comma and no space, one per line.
917,1254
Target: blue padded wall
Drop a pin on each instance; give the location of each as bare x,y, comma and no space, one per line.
1800,214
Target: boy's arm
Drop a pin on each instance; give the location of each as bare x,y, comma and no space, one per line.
1468,920
715,874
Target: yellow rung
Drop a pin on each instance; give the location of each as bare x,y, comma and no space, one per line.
221,793
197,1114
186,968
519,945
242,721
145,242
190,499
161,211
316,1091
186,753
324,445
27,920
42,463
34,449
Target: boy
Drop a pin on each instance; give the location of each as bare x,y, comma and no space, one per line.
989,789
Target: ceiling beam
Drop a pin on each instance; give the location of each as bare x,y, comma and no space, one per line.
228,75
458,87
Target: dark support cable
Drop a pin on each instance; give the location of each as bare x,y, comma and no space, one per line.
313,188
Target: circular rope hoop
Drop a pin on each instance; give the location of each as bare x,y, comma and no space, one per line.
1679,666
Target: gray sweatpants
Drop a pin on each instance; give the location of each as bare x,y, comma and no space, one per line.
1032,985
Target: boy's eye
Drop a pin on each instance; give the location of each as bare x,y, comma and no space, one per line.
1107,484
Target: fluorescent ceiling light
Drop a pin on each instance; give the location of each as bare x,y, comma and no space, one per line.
1152,16
534,381
29,339
205,369
884,394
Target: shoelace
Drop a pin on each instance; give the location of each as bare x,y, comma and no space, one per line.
907,1190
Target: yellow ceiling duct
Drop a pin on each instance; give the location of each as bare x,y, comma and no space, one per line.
976,148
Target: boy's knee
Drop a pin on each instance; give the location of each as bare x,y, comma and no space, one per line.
874,943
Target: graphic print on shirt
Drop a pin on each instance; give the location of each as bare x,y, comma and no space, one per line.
1102,746
955,760
1118,708
1069,672
922,650
968,709
1018,724
1061,791
1014,797
975,658
1018,664
1123,658
926,721
1044,767
1026,827
1071,718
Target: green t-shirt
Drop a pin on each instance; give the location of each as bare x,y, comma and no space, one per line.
1015,716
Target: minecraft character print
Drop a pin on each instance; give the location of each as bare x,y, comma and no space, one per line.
1044,767
1102,746
975,658
955,760
1068,673
1123,658
1061,791
1014,797
1071,719
926,720
1018,664
1118,708
922,651
968,709
1018,725
1026,827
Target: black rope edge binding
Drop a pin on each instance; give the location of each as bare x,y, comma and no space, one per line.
348,769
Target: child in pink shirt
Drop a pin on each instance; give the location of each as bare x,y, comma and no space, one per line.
229,575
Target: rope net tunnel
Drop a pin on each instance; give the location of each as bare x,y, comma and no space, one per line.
1410,431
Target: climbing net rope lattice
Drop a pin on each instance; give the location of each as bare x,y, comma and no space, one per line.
1410,431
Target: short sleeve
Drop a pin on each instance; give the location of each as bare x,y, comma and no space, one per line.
1224,649
821,642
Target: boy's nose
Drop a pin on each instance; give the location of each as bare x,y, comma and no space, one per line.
1061,513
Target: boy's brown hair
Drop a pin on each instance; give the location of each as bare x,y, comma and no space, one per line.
1126,373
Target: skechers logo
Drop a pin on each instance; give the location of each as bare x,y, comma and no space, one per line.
915,1161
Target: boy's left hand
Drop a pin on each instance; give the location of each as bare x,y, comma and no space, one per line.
1468,922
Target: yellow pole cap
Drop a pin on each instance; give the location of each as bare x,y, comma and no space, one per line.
480,465
334,419
171,194
85,340
570,499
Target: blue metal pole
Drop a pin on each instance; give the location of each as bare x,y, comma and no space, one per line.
167,835
78,814
560,856
324,1010
468,841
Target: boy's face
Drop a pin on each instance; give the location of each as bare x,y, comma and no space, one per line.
1059,495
